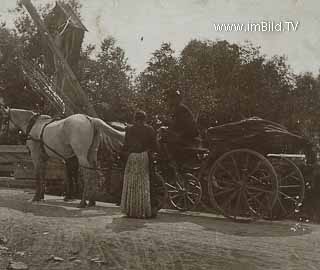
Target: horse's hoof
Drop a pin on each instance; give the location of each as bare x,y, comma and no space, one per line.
67,198
92,203
35,199
82,205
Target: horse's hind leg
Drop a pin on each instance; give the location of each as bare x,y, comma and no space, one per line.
93,160
84,144
71,178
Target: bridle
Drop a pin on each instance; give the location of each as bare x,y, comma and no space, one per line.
4,120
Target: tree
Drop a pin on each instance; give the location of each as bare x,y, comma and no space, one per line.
305,101
222,82
108,81
14,88
161,75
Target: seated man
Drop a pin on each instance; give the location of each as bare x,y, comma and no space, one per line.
182,131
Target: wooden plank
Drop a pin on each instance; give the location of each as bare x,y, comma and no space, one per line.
7,167
14,149
5,181
55,50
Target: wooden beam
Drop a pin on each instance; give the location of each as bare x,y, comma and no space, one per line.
55,50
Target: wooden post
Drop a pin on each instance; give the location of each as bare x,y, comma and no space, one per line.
44,31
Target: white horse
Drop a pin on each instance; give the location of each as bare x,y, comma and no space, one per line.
77,135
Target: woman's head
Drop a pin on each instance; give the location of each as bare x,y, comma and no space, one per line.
140,117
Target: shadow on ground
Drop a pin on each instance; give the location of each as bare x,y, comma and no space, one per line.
20,201
215,224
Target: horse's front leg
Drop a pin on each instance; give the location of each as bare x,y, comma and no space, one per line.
43,167
84,178
37,195
40,167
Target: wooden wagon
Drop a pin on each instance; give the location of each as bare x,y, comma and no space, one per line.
247,172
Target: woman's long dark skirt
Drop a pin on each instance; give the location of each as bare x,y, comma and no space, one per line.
135,200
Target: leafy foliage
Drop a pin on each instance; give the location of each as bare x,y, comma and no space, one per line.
221,81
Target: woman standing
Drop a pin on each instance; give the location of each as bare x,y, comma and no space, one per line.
140,142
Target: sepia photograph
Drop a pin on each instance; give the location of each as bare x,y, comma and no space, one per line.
159,134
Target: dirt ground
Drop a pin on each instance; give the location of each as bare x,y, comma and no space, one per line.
57,235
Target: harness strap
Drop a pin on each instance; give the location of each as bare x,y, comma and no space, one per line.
31,123
43,144
43,128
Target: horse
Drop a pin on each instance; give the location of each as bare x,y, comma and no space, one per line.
77,136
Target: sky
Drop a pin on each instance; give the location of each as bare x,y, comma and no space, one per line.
179,21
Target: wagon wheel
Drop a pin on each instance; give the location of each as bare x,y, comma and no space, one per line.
291,187
242,185
158,191
185,193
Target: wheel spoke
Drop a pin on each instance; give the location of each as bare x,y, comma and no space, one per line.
173,191
226,171
171,186
256,194
237,208
291,186
259,189
231,197
175,196
288,175
178,185
246,163
185,201
288,197
255,169
179,199
236,167
197,187
282,207
256,200
261,177
226,182
192,193
191,200
223,191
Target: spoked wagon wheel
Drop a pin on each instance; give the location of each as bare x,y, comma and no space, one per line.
291,187
185,192
242,185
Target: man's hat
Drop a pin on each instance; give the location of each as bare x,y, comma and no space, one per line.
140,116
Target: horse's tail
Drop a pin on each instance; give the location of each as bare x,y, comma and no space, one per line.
111,137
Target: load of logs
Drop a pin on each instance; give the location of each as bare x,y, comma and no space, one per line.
258,134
